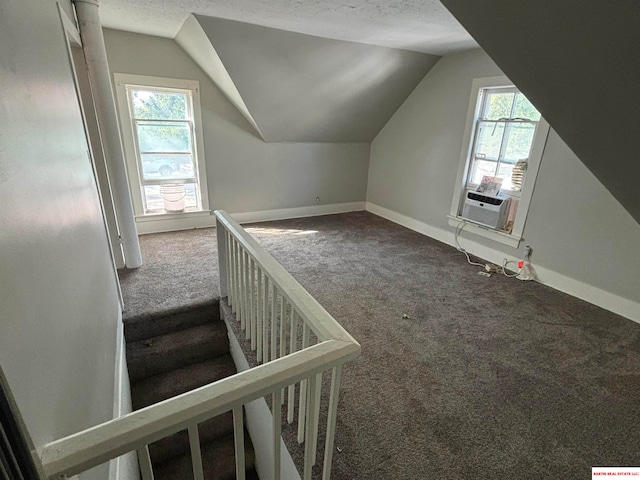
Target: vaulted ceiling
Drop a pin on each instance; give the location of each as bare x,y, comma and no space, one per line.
321,71
300,88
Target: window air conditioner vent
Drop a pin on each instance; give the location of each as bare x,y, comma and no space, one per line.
486,210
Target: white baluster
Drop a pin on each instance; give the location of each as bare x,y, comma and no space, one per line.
252,313
283,325
303,388
260,326
196,454
238,434
245,295
234,275
265,322
144,461
331,421
309,452
274,322
258,316
316,416
241,286
277,427
293,332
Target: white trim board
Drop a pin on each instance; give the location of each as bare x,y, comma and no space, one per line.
169,223
297,212
126,466
594,295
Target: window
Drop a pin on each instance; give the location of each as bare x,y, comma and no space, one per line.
504,140
162,136
503,136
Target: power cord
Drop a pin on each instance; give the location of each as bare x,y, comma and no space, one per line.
459,229
523,272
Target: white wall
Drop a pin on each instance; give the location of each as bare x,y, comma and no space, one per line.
57,285
244,173
575,226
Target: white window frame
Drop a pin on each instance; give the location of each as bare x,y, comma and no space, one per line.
148,223
514,238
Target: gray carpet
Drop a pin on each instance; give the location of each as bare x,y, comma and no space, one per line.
179,269
487,378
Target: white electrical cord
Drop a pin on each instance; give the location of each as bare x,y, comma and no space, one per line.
459,229
504,271
499,269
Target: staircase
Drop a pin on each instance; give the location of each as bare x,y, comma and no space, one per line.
174,352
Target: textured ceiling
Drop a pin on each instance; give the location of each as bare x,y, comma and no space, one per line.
418,25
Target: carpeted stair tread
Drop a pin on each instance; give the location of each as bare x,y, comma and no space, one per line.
159,387
218,462
178,444
149,325
175,350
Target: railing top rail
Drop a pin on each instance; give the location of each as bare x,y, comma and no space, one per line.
76,453
320,321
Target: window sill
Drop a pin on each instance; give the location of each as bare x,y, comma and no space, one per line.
486,232
154,217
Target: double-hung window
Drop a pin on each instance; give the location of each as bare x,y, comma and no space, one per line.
162,136
503,143
503,137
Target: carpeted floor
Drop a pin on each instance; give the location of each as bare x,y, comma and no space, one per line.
487,378
179,269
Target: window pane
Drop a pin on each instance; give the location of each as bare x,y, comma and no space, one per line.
160,166
159,105
480,169
520,138
504,172
525,109
163,137
498,105
489,140
170,198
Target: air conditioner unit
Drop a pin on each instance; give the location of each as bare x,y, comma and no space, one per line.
486,210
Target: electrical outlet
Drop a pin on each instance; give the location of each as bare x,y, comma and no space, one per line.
527,251
317,199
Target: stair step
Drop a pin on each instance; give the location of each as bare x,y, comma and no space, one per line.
178,444
218,462
151,325
165,385
163,353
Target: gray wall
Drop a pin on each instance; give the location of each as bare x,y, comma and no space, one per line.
57,286
575,226
244,173
578,62
302,88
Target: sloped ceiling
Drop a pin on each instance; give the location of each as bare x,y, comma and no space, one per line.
580,68
294,87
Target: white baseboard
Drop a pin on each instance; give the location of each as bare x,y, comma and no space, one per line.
169,223
126,466
594,295
298,212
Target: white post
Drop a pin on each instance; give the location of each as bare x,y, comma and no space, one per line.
331,421
100,79
238,435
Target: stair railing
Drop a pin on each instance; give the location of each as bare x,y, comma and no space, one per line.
280,318
270,305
